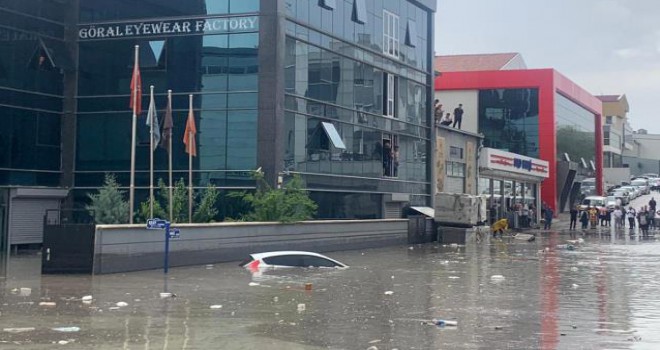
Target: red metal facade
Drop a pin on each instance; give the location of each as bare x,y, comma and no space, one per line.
548,81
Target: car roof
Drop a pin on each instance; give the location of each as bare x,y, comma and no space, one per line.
260,256
594,197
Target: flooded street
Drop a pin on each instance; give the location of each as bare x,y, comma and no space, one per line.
603,294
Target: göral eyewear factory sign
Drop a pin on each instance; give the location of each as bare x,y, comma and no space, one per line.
169,27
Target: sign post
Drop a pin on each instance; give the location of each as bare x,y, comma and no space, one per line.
170,232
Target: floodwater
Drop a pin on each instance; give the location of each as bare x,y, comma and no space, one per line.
604,294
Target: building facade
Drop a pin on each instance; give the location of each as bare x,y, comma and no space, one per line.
644,157
338,91
617,138
536,113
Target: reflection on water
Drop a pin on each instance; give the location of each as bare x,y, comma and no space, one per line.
601,295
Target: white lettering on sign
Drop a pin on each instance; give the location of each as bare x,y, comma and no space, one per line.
156,28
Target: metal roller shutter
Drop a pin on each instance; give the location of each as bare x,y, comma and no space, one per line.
392,210
27,219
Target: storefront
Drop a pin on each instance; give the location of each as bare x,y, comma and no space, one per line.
513,184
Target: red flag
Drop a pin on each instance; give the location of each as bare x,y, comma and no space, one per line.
136,89
189,135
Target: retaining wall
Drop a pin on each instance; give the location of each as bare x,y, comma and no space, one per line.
123,248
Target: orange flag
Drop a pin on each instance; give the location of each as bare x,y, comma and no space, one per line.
189,135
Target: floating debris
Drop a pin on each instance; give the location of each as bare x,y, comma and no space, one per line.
497,278
389,292
19,330
215,307
67,329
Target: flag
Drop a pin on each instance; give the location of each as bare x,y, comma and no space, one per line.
189,135
152,117
168,125
136,88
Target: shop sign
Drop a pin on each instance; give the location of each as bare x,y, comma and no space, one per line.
169,27
506,161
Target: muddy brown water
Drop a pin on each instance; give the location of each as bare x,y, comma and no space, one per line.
605,294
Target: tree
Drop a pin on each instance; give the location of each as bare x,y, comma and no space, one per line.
204,211
289,204
109,206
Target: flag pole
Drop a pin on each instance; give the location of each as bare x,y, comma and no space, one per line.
151,158
169,151
190,180
131,196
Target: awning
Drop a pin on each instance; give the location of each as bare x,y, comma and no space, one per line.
333,135
430,212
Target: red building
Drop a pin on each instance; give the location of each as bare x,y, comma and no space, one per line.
533,112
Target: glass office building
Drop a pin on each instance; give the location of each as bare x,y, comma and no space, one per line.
338,91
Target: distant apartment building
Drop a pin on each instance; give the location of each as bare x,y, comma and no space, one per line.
617,137
644,157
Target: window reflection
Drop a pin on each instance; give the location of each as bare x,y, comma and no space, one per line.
509,120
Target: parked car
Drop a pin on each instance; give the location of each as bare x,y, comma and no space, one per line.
642,184
634,191
623,195
593,201
280,259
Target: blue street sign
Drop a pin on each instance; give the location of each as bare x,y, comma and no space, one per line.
156,224
175,233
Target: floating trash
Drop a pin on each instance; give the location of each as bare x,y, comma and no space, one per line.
301,307
497,278
575,286
67,329
574,269
19,330
25,292
47,303
121,304
215,307
389,292
253,284
444,323
87,298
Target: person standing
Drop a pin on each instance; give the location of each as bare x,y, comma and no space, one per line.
574,215
593,217
437,111
652,204
458,115
584,219
631,214
618,218
548,218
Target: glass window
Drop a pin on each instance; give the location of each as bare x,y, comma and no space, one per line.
328,4
455,169
411,34
608,119
242,6
575,129
509,120
359,12
389,96
455,152
390,34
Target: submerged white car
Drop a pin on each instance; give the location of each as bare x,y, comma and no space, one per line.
280,259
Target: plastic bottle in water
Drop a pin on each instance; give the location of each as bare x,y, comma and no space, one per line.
444,323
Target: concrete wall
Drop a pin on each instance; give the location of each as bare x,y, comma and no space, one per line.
123,248
470,101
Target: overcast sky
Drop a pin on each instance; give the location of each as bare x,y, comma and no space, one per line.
608,47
